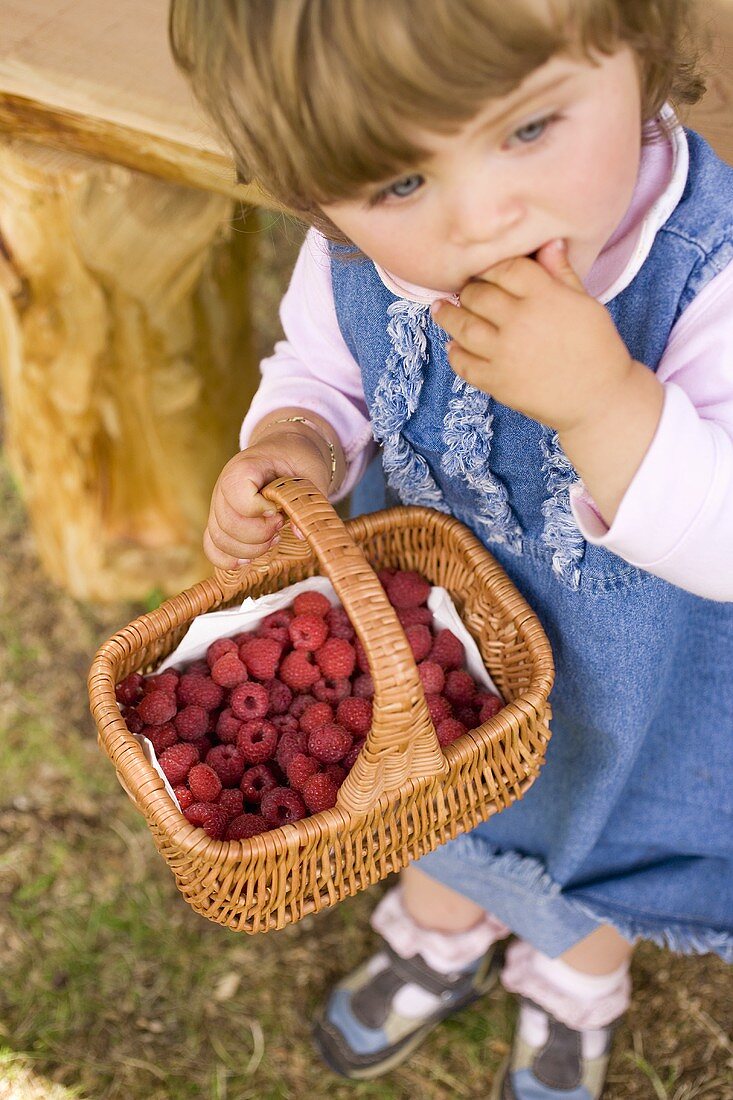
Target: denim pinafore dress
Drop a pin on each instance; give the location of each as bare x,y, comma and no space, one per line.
631,820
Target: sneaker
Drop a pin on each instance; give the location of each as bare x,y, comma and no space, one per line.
359,1033
555,1071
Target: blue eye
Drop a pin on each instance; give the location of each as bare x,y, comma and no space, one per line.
405,187
402,189
533,131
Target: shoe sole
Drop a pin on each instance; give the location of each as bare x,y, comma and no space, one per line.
377,1069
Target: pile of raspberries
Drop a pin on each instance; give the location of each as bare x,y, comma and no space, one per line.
265,728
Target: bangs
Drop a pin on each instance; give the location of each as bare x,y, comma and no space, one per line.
320,98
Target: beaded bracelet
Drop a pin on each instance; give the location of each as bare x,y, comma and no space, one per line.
316,429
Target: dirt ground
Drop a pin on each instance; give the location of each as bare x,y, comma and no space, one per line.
112,988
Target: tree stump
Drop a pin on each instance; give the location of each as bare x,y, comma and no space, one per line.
126,364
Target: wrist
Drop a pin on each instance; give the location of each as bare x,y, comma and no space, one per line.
301,425
608,448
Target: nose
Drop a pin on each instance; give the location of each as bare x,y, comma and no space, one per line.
482,212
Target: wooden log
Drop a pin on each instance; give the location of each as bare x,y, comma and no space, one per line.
126,364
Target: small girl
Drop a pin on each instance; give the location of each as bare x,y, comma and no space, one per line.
517,281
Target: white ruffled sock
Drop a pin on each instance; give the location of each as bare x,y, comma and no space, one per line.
446,952
584,1002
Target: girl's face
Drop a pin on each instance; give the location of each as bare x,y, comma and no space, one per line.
558,157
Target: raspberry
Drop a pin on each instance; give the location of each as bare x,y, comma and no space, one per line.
160,737
362,660
199,668
329,743
317,715
177,762
300,705
129,690
245,826
300,768
320,793
336,658
133,720
350,758
202,746
191,722
332,691
415,616
275,625
447,650
420,639
198,689
467,715
355,715
431,676
218,648
492,705
228,671
210,818
298,672
311,603
257,740
336,773
164,681
231,802
439,707
203,783
308,631
339,624
157,708
184,798
459,687
249,701
284,723
228,762
384,576
288,745
261,656
280,696
363,686
280,806
407,589
257,781
449,730
227,726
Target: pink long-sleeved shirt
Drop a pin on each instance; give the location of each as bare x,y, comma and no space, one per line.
676,517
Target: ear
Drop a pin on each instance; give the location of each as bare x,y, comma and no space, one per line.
554,258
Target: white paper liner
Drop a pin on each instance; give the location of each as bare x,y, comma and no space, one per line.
205,629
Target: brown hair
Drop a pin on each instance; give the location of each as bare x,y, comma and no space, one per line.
315,97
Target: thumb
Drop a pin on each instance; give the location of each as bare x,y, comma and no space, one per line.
554,258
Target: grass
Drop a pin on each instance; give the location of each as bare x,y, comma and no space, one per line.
112,988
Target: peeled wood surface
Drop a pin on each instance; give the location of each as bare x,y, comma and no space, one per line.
125,362
98,78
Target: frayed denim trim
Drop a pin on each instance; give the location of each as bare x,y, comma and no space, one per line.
408,475
682,939
395,399
560,535
467,435
530,873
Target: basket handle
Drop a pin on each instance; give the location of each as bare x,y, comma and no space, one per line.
402,743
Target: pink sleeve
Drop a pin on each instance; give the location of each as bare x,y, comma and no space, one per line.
676,517
312,367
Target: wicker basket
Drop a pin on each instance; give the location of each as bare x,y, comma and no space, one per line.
404,796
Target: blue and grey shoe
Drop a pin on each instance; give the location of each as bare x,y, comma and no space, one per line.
555,1071
360,1034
